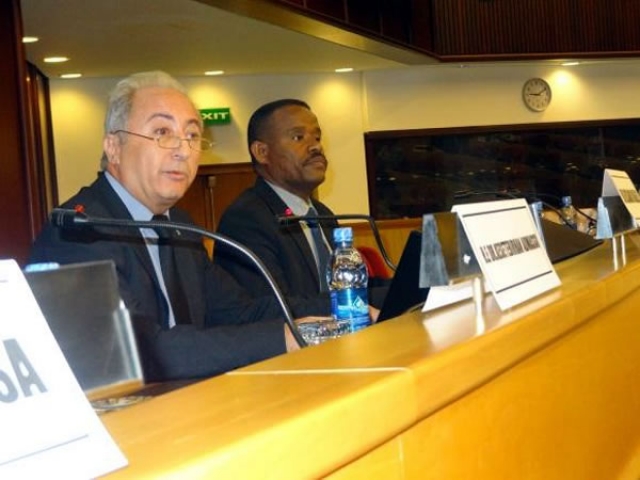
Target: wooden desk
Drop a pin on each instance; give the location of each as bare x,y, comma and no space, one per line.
550,389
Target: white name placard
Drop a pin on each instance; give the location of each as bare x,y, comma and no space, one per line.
616,183
49,429
506,243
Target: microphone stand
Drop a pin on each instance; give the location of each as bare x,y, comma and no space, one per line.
288,219
70,218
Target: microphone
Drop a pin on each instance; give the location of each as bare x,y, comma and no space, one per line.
291,219
64,218
68,218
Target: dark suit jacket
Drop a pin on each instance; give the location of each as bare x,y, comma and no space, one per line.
251,219
229,328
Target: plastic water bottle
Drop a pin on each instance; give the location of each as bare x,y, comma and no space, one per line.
347,279
569,212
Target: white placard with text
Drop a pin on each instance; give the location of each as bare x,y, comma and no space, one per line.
513,260
49,429
616,183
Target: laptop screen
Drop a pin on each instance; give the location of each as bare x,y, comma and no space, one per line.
404,291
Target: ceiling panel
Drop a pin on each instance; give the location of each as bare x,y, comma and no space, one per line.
182,37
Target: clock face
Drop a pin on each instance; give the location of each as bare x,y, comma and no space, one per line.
536,94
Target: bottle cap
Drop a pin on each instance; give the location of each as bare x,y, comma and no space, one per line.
344,234
41,267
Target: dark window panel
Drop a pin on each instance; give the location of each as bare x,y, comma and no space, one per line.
416,172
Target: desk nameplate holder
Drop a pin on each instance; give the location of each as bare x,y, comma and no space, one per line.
447,258
504,237
536,213
619,206
614,221
495,242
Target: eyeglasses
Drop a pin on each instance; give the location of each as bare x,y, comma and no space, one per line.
172,141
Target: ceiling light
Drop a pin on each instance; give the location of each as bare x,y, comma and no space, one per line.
71,75
29,39
214,72
56,59
344,70
570,64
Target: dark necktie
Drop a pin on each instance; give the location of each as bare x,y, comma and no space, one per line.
321,248
166,248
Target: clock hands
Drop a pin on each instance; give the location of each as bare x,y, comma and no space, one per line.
536,94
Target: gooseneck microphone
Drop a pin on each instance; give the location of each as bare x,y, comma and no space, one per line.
291,219
68,218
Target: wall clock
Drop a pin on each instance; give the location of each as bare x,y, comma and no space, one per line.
536,94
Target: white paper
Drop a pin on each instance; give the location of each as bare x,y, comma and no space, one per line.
508,248
441,296
49,429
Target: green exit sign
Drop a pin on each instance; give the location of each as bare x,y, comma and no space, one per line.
216,116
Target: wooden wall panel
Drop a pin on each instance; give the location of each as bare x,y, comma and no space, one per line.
335,9
396,20
535,27
364,14
422,25
15,191
455,30
42,167
213,190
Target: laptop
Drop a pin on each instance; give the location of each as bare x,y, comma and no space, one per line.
82,306
563,242
404,291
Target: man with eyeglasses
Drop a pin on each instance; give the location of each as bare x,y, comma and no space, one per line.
197,322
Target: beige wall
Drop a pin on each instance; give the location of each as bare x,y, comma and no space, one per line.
78,111
348,105
446,96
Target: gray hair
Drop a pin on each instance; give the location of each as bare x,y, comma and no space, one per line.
121,100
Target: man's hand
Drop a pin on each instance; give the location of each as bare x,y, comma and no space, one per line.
373,314
290,340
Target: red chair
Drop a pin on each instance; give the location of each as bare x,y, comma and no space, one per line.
376,266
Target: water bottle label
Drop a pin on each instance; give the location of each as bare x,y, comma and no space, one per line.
351,304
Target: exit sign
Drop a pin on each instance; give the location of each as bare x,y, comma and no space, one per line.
216,116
